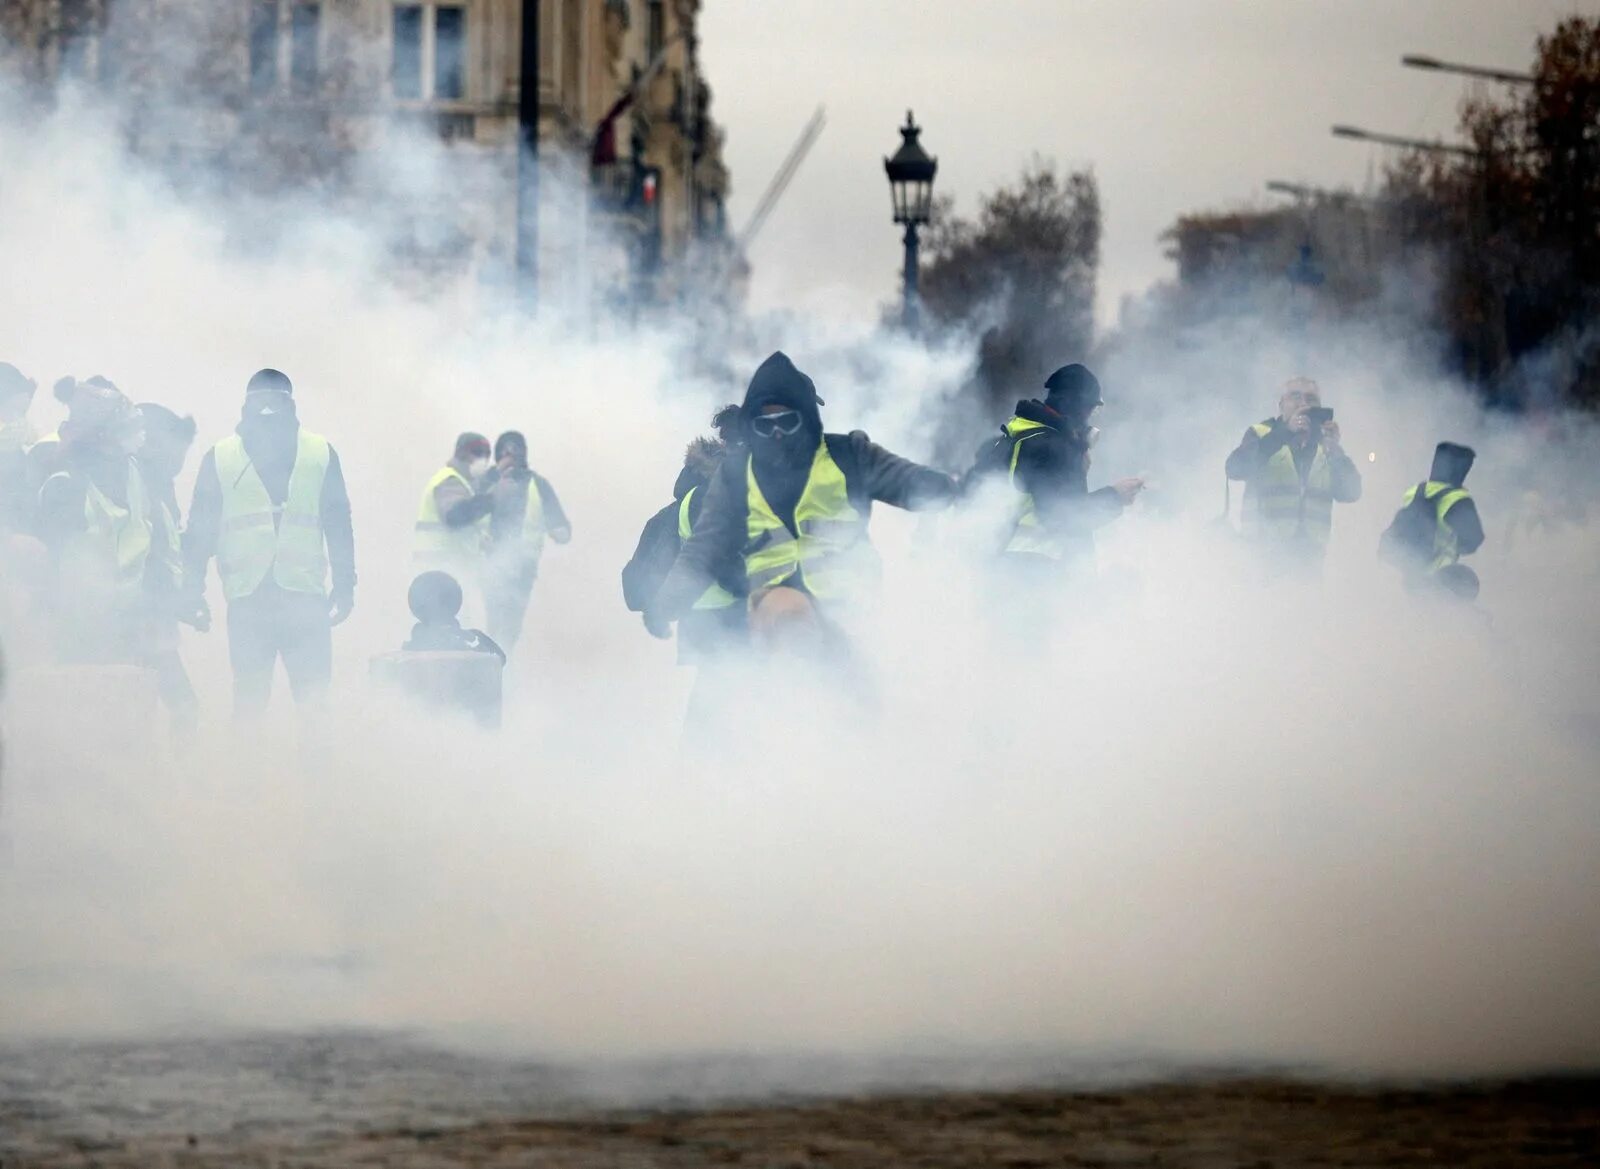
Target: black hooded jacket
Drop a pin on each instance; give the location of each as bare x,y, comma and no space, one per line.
1053,467
782,468
272,442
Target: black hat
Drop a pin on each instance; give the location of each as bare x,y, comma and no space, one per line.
1072,389
1451,462
12,382
470,444
157,417
269,381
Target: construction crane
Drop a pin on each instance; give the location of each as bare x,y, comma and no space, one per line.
781,180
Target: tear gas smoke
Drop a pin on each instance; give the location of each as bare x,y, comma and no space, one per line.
1174,813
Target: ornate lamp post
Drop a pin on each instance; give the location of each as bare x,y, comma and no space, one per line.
911,172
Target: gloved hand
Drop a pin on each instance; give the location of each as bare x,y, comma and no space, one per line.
195,613
339,606
657,625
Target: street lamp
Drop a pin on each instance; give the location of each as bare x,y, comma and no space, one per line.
1361,135
911,172
1510,77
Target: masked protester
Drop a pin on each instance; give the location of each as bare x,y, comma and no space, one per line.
525,513
1436,526
795,509
16,436
114,562
270,504
452,530
1294,470
1044,450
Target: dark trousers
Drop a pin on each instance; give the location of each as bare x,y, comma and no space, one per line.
271,623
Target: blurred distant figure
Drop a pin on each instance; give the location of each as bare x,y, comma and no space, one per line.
717,619
1436,526
794,504
452,530
167,440
1294,470
270,503
16,436
525,512
1044,451
114,559
46,450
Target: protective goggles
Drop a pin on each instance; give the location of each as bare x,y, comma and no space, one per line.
772,425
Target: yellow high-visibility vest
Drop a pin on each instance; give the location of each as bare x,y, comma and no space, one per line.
1446,548
831,557
259,538
1028,534
109,556
1278,506
715,597
435,543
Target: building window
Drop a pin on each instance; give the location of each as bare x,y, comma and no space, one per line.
81,22
656,30
304,58
285,39
449,53
408,51
430,52
264,46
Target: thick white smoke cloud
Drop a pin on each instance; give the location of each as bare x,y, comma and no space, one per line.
1177,814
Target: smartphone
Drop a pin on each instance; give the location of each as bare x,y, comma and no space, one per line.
1319,415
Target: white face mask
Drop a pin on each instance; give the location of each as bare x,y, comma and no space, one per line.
1093,435
477,468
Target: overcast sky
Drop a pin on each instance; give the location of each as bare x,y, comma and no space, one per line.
1178,105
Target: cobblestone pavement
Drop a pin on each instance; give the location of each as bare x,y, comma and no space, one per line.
363,1101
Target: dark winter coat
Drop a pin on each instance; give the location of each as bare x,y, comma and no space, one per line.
871,473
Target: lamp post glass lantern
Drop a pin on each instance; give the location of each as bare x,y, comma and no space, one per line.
911,172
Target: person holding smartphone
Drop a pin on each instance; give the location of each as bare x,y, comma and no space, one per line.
1294,469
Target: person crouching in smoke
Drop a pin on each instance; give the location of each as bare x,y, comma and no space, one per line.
1436,526
796,508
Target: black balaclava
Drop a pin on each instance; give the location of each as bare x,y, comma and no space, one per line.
512,441
1451,462
1073,392
777,381
783,463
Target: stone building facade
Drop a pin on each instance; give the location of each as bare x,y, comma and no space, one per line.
294,92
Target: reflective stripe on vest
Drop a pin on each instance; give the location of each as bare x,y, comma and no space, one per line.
1277,506
831,557
533,529
715,597
436,542
114,546
1446,548
1028,534
258,538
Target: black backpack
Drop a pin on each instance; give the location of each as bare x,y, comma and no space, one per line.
1412,532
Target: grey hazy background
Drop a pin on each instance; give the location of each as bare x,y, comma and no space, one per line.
1178,106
